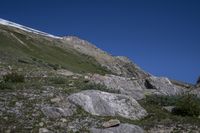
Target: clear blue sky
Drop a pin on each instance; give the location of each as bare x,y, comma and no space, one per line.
161,36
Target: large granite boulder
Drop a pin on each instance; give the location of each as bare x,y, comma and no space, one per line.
122,128
108,104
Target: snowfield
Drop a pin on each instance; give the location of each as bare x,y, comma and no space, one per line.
12,24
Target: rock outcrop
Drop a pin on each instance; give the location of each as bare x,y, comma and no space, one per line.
122,128
108,104
119,84
162,86
138,88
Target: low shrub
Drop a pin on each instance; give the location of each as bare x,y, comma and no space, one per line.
5,86
187,105
162,100
13,77
58,80
93,86
54,66
100,87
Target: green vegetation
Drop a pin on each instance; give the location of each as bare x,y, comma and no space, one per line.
159,116
187,105
13,77
59,80
45,52
100,87
5,86
93,86
161,100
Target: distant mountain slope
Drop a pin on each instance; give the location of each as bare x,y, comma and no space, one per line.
71,53
16,44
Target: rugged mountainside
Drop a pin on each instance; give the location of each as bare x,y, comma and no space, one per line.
66,84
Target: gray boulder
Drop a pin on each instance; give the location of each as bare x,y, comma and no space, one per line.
111,123
122,128
119,84
108,104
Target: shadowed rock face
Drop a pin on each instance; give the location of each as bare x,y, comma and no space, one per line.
122,128
198,81
108,104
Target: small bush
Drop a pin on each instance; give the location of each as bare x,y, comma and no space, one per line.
100,87
13,77
5,86
54,66
162,100
58,80
187,105
34,59
93,86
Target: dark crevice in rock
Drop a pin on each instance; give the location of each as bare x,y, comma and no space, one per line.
148,85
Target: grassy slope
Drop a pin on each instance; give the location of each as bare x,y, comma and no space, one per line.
45,51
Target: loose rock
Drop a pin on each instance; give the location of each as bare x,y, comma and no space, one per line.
44,130
122,128
111,123
55,100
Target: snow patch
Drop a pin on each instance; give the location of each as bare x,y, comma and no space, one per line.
12,24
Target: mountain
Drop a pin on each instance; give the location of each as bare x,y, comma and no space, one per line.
66,84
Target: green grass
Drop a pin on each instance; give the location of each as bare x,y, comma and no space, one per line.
158,115
47,53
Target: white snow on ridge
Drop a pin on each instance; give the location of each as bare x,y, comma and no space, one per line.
12,24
